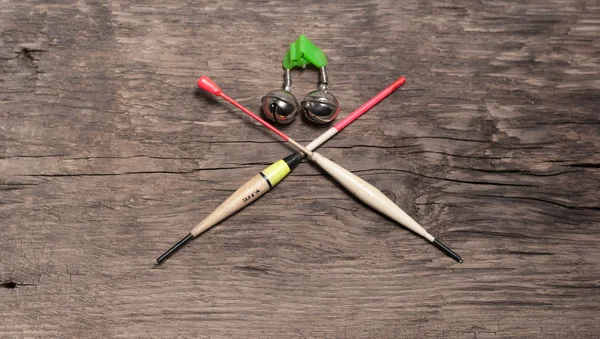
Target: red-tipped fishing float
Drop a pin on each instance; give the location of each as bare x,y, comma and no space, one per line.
272,175
364,191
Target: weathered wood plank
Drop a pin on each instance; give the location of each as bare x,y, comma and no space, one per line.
108,155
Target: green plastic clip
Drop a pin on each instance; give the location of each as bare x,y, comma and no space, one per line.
303,52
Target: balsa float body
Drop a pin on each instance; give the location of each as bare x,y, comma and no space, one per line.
373,197
364,191
249,192
272,175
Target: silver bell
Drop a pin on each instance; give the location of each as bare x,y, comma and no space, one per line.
280,106
320,106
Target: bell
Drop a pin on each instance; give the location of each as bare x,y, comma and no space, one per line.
320,106
280,106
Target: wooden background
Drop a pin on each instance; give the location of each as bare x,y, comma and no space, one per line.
109,155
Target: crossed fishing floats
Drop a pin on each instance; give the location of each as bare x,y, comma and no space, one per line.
319,107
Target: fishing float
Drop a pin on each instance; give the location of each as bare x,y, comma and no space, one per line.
273,174
364,191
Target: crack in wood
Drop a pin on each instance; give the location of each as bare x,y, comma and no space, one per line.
133,173
9,284
375,170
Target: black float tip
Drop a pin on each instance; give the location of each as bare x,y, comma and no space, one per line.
173,249
447,251
293,160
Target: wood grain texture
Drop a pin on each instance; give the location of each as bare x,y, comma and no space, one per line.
108,155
